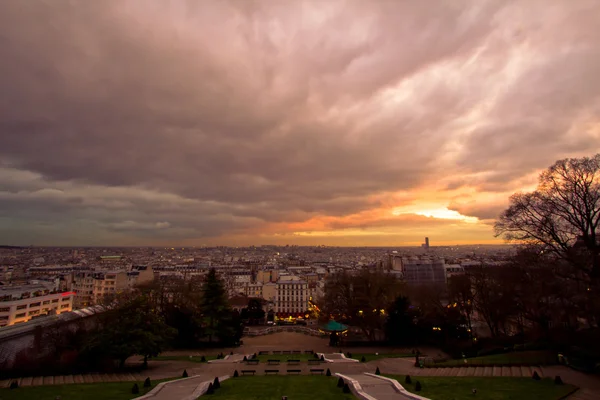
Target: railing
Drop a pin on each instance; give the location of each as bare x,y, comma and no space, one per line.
289,328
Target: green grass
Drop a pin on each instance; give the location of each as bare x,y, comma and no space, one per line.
87,391
373,356
285,357
515,358
491,388
183,358
273,387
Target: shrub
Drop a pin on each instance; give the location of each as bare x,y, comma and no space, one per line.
185,374
322,357
346,388
340,383
231,353
210,389
254,356
216,383
407,379
202,359
349,355
245,358
328,373
535,376
363,359
316,355
147,383
135,389
235,374
377,372
14,385
558,380
418,386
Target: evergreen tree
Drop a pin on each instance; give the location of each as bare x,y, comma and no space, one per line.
215,310
147,383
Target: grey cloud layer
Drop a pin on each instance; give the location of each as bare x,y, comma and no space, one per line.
252,112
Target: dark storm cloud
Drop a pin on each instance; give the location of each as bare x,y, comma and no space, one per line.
196,119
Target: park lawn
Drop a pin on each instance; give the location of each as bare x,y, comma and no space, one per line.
285,357
379,356
300,387
183,358
535,357
87,391
488,388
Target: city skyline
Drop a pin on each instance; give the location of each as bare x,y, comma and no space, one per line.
128,123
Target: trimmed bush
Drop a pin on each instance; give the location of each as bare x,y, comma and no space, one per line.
147,383
328,373
322,357
363,359
135,389
185,374
346,388
14,385
202,359
349,355
254,356
407,379
211,389
316,355
340,383
231,353
377,372
535,376
245,358
216,383
235,374
558,380
418,386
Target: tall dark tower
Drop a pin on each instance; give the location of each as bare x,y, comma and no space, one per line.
426,243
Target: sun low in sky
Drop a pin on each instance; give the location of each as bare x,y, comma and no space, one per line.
128,122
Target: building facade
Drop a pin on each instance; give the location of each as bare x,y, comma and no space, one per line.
22,303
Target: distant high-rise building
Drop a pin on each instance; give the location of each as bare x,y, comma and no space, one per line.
425,246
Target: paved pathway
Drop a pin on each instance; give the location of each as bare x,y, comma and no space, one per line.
379,389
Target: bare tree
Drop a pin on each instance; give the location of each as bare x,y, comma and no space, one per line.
562,215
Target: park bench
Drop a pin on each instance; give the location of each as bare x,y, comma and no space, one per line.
286,352
293,362
317,371
248,371
308,352
252,362
271,371
314,362
294,371
276,351
296,352
273,362
263,353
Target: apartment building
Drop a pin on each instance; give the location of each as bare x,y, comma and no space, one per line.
24,302
292,297
109,283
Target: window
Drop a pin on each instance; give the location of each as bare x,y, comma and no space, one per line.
22,307
4,309
64,306
66,298
55,301
46,302
21,315
35,304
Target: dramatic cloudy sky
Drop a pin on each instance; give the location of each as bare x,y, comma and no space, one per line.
302,122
